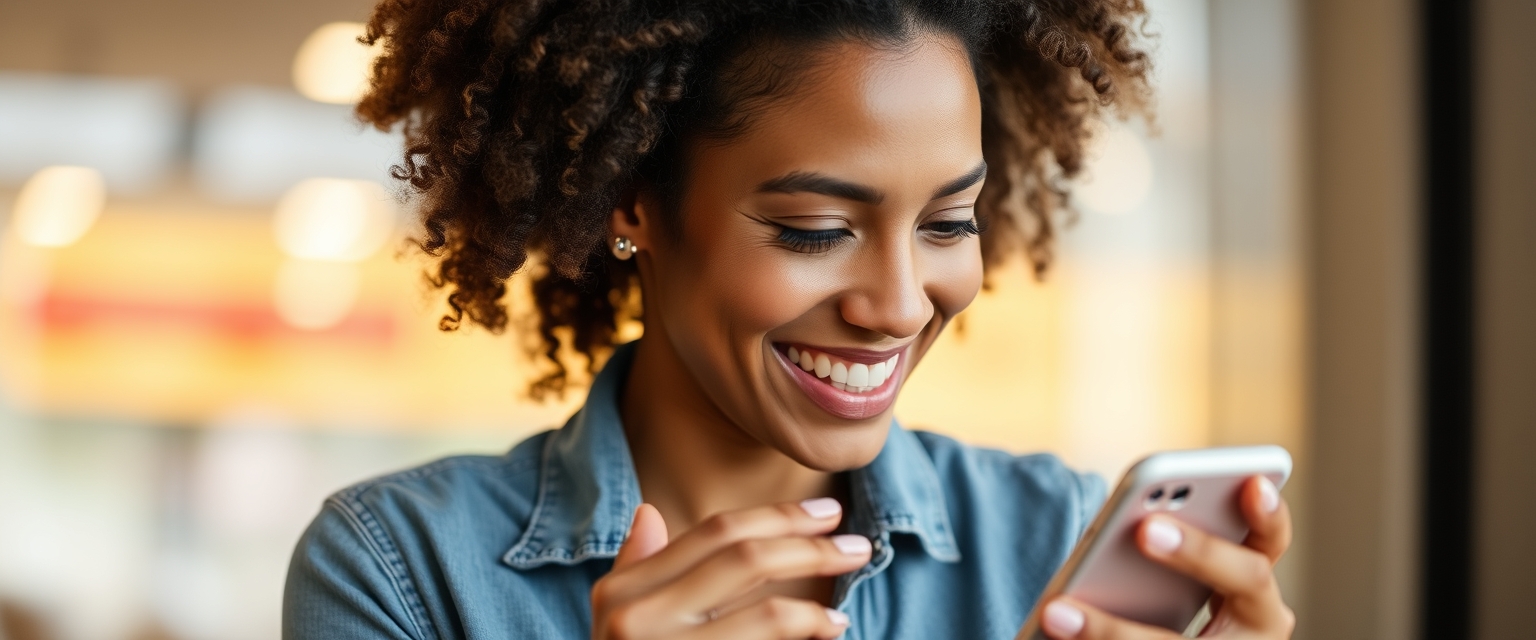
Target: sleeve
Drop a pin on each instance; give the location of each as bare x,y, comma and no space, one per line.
345,583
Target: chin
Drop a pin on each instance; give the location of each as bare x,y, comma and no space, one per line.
839,448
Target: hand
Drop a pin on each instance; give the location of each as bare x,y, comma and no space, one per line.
679,590
1247,603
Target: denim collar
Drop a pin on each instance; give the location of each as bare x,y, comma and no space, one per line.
588,490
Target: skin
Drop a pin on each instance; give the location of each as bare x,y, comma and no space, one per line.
718,426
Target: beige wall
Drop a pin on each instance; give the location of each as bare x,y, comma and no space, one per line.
1505,569
253,42
1364,177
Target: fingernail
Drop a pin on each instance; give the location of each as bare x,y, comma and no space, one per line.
852,544
1063,620
837,617
1163,537
1269,496
822,507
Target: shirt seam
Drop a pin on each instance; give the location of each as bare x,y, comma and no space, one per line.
384,552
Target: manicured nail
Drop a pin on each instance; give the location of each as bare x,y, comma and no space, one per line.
1063,620
852,544
1163,537
1269,496
822,507
837,617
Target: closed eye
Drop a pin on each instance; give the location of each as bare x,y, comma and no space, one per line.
812,240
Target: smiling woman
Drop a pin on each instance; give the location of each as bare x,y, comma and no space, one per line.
794,199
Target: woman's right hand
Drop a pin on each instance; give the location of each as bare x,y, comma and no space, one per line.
683,589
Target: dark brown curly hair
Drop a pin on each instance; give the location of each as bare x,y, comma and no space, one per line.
527,120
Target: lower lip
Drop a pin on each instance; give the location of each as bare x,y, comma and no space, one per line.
845,405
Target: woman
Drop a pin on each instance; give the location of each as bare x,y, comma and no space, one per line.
794,198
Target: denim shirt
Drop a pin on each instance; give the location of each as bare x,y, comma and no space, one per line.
483,547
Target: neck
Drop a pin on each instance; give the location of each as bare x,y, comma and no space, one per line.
692,461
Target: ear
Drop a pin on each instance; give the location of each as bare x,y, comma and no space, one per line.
637,216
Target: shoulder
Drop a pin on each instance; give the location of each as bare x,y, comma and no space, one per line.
452,487
1034,497
1038,477
374,557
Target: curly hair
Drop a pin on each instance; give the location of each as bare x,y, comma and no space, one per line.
527,120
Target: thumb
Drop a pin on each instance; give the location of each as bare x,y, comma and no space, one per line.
647,535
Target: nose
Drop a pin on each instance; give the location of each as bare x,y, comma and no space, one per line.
887,294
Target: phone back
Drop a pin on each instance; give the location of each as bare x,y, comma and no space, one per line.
1199,487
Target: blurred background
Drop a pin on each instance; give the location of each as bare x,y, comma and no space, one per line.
208,323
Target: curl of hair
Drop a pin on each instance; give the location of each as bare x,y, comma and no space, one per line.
527,120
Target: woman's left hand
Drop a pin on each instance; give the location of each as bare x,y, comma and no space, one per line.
1247,603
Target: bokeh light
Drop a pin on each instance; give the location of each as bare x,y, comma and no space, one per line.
334,219
314,295
59,204
332,66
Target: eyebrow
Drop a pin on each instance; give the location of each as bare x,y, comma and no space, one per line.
811,182
963,182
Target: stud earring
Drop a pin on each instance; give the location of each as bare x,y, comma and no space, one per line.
623,248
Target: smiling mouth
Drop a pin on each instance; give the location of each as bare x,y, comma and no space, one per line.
841,374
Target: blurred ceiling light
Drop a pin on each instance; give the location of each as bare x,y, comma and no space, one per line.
332,66
334,219
1118,176
315,296
129,129
58,205
252,143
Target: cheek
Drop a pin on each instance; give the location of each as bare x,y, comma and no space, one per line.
954,279
740,289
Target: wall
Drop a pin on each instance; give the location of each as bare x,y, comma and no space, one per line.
1505,560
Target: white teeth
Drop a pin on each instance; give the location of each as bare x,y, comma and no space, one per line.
858,375
852,377
877,374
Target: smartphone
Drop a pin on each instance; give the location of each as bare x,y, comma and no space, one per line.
1199,487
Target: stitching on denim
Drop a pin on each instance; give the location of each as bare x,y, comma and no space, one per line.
388,557
519,554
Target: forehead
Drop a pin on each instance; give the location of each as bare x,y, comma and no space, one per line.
867,112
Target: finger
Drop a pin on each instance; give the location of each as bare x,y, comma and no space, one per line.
1269,518
1244,576
647,536
809,518
776,618
736,570
1065,618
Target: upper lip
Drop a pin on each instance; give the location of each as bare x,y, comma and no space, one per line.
851,354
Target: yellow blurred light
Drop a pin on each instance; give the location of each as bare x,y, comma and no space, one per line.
332,65
315,295
1118,178
334,219
58,205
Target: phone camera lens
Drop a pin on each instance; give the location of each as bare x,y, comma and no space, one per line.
1157,494
1179,497
1154,499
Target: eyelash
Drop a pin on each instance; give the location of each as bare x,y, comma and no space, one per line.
955,229
822,240
812,240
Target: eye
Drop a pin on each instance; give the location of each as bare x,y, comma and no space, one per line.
952,229
812,240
